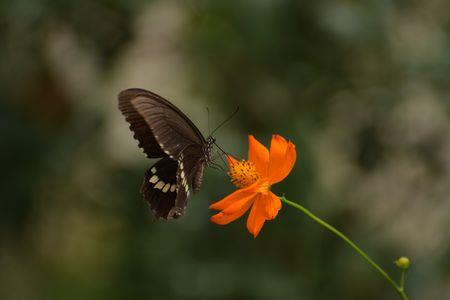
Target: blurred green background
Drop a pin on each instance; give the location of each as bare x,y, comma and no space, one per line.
361,87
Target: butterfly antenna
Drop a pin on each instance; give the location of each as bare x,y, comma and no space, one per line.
209,128
226,120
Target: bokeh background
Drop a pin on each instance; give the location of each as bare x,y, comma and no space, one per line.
361,87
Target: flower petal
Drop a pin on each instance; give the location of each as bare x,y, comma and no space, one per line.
258,155
238,204
233,197
282,158
273,205
223,219
256,217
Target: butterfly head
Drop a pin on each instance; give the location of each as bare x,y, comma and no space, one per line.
209,148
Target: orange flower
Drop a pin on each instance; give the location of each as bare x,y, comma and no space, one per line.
254,178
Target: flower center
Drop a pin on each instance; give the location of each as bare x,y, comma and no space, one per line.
243,173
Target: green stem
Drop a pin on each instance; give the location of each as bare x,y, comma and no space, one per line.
402,280
398,288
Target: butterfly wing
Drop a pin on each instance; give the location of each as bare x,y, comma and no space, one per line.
190,168
159,187
171,129
138,125
168,183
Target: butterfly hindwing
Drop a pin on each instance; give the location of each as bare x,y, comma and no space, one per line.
190,168
159,187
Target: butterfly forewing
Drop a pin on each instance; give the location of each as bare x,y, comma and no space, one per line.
171,128
138,125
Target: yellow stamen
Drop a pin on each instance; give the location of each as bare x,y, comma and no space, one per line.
243,173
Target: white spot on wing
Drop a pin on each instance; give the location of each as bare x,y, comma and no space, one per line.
166,188
159,185
154,179
173,187
153,170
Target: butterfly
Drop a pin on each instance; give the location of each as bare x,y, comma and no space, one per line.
165,132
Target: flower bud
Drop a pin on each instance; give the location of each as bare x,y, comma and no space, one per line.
403,263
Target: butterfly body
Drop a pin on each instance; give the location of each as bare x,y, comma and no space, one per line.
164,132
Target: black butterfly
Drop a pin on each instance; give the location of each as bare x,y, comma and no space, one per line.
163,131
